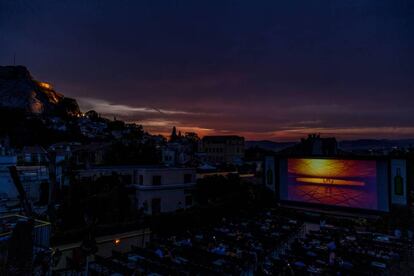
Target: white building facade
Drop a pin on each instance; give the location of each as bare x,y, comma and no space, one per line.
157,189
163,190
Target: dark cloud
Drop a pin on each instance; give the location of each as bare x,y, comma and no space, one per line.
258,68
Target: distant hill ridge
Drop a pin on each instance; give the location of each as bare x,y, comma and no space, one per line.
269,145
19,90
345,145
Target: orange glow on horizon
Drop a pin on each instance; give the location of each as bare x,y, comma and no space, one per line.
164,127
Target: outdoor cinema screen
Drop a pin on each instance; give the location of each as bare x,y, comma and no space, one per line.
347,183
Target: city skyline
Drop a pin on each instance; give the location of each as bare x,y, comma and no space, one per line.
274,71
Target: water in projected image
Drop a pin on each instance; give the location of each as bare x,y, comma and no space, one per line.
348,183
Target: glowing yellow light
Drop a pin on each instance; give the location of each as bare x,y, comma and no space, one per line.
117,242
45,85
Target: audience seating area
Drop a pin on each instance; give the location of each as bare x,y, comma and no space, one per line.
238,246
334,250
272,242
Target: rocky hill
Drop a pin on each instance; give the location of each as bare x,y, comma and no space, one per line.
19,90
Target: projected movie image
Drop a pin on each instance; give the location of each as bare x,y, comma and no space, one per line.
347,183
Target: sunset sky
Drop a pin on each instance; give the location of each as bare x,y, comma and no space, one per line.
273,70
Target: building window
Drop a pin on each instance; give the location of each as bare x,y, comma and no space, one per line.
188,200
135,177
126,179
35,158
156,180
141,179
188,178
156,206
269,177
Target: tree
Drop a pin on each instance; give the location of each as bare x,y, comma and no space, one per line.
92,115
193,139
132,154
192,136
173,136
231,192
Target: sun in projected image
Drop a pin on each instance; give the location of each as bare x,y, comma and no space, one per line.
335,168
350,183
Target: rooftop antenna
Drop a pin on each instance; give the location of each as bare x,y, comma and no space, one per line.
14,59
